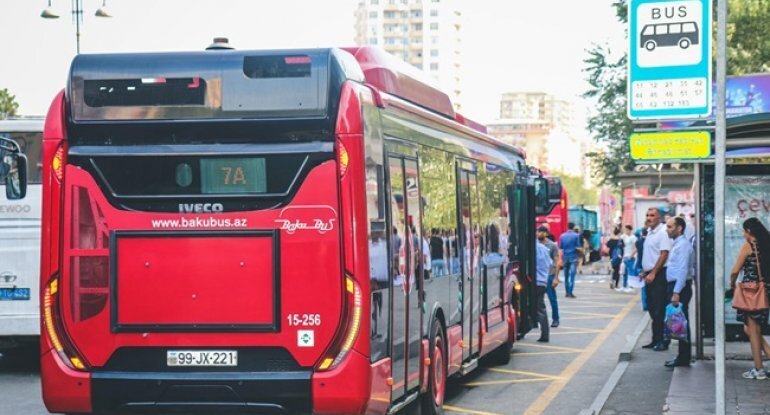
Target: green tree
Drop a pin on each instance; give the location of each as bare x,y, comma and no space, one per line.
747,39
607,77
8,104
577,192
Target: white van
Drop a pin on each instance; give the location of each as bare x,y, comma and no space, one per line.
20,241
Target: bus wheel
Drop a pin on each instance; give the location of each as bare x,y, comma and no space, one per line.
433,399
650,45
684,43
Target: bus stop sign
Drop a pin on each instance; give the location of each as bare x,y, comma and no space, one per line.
669,68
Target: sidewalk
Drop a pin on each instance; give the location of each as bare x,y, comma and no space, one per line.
692,390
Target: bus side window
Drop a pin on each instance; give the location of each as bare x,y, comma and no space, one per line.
661,29
675,28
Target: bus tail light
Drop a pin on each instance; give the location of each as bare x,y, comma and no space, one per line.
89,257
57,164
344,343
343,158
52,324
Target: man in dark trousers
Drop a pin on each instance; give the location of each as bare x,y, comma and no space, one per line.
654,259
679,276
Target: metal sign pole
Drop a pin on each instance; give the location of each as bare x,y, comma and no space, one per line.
719,207
697,283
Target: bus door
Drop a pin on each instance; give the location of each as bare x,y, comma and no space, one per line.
471,243
522,220
406,272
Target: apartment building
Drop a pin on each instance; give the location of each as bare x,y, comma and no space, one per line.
424,33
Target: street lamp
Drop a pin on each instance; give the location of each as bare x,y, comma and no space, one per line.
77,16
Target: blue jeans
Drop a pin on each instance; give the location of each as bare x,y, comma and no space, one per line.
551,292
570,269
630,270
437,267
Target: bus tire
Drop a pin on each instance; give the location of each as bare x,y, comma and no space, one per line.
684,43
433,398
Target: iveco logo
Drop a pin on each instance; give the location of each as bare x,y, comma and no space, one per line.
201,208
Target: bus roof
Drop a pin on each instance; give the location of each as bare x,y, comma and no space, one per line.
211,84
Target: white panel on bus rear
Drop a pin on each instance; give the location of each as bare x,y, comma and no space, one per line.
20,263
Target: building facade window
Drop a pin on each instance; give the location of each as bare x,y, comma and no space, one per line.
434,53
434,66
434,26
434,13
373,14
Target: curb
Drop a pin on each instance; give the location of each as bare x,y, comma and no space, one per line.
624,357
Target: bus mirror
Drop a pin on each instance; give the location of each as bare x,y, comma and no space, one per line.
554,190
542,206
13,169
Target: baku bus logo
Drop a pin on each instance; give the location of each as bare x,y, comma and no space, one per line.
300,218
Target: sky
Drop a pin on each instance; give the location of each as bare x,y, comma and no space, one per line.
509,45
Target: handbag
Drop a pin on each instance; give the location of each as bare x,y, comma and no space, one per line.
751,296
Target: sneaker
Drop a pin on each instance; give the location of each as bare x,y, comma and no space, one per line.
758,374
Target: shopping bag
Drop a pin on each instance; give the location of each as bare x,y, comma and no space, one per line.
675,323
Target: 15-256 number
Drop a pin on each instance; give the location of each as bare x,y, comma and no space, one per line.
304,320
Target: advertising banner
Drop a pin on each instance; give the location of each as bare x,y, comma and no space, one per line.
745,197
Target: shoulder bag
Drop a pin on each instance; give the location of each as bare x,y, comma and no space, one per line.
751,296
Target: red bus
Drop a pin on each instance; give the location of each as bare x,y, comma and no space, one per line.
556,217
291,231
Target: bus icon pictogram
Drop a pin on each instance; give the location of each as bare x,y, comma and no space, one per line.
681,34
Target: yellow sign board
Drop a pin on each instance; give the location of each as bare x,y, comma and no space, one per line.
677,145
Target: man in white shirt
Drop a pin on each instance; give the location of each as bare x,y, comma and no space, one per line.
679,277
654,259
629,254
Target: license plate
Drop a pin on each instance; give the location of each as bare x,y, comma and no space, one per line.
14,294
202,358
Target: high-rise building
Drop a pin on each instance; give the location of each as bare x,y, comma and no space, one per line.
424,33
544,126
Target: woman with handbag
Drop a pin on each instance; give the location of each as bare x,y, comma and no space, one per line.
750,295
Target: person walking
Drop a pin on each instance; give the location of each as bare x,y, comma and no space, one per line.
679,283
639,252
629,251
543,237
656,249
437,254
543,264
754,260
615,246
569,242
